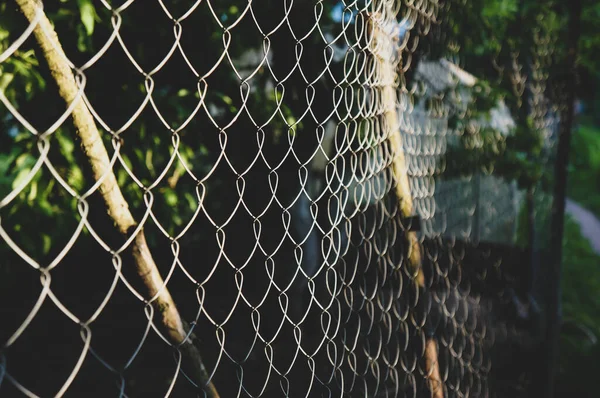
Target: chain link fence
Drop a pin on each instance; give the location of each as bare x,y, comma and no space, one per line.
256,199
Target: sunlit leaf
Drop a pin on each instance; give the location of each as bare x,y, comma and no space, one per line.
87,13
47,243
21,177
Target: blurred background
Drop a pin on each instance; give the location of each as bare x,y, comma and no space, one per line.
254,143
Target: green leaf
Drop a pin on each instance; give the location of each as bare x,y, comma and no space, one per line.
148,162
191,200
139,154
5,79
47,243
82,42
33,192
67,146
46,207
76,178
21,177
171,197
227,99
121,177
4,33
87,13
177,220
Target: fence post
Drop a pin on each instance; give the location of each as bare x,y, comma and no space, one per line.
384,70
554,309
170,321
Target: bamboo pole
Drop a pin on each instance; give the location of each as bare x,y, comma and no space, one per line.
171,322
383,51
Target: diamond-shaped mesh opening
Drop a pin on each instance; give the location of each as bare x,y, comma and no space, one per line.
259,199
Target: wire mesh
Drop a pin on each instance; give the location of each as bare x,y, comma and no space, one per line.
268,159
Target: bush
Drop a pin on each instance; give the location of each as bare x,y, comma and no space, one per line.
584,169
581,306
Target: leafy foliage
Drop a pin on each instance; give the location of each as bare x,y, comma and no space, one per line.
499,55
584,168
581,327
148,144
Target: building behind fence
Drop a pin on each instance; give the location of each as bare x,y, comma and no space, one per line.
282,219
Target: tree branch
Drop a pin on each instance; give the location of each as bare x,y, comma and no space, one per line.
170,320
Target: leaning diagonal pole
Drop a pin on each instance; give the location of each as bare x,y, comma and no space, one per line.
382,47
171,323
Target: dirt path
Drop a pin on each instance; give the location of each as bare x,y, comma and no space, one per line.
589,223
